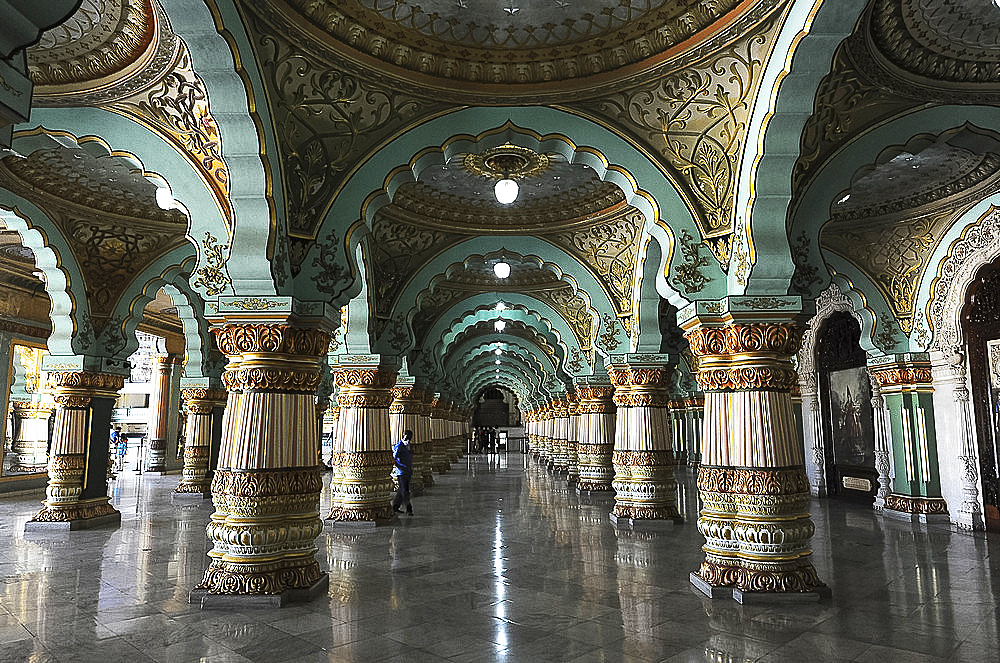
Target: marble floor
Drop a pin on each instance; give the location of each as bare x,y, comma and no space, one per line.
500,563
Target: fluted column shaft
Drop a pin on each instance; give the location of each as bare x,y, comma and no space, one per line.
267,485
77,488
405,414
423,431
200,404
159,412
645,488
597,437
752,479
439,436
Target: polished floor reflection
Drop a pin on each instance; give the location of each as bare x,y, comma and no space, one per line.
502,562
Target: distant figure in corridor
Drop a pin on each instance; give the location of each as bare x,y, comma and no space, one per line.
402,457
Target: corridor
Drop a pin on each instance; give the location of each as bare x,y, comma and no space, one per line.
501,562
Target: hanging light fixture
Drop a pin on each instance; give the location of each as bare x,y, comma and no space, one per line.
498,351
497,362
505,191
502,271
501,306
499,325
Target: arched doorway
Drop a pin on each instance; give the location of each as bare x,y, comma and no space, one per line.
981,320
845,396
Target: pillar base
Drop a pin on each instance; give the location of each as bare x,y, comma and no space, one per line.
709,590
209,601
73,524
917,518
758,598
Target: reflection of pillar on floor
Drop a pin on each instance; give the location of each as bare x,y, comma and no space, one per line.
32,441
643,458
597,434
200,404
267,485
159,411
77,493
752,479
365,383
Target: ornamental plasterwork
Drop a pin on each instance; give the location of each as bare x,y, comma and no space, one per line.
611,249
103,41
176,107
398,250
572,308
978,245
326,121
695,120
473,42
893,252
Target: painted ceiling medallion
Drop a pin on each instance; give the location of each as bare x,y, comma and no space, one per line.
506,161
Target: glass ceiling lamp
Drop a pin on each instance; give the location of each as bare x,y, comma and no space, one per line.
502,271
505,191
498,351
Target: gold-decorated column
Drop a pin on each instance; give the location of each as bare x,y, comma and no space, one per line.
404,414
77,492
752,478
597,434
365,393
159,411
201,404
267,485
645,488
423,432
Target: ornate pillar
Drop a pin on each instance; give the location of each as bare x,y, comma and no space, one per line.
573,441
404,414
694,414
531,431
159,411
970,514
77,493
645,489
267,485
423,432
812,429
905,382
439,437
883,443
32,440
547,428
752,479
560,436
597,434
365,383
201,404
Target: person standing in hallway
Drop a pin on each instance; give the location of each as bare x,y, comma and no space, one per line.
402,457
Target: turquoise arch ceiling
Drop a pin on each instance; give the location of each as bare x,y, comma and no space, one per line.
664,202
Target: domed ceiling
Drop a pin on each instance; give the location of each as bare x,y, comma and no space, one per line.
514,41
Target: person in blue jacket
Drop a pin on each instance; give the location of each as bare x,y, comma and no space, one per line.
402,456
